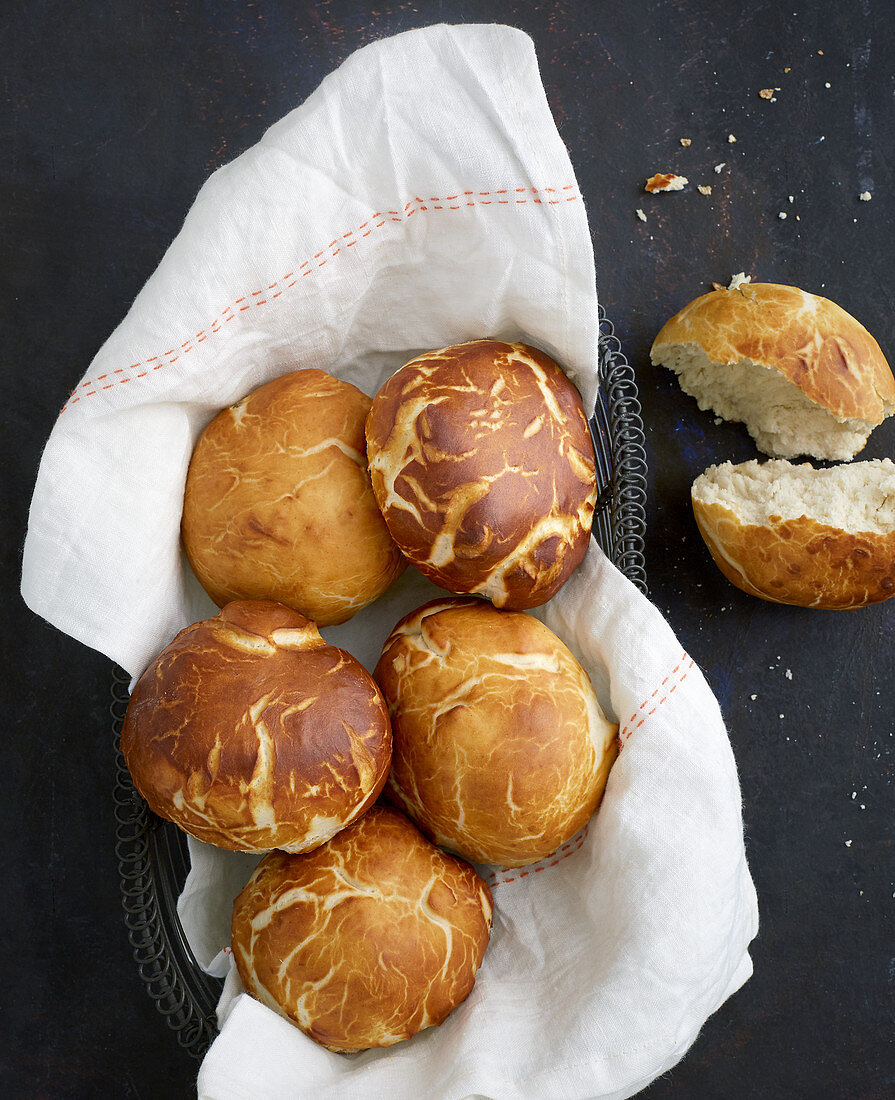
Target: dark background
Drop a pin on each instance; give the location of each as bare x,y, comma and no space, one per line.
115,113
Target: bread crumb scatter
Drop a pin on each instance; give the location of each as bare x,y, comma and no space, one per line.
704,189
686,142
718,167
640,214
665,181
865,196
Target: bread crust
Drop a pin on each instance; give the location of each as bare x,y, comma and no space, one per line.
278,503
366,941
813,342
799,561
501,752
482,464
249,732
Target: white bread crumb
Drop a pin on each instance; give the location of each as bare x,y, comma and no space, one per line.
740,279
665,181
782,215
640,214
865,196
704,189
718,167
731,139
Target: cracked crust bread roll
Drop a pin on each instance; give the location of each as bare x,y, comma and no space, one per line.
822,538
802,374
501,752
366,941
482,464
278,503
250,732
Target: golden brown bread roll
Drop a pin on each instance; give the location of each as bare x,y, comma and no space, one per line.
501,751
365,941
482,464
278,504
822,538
250,732
804,375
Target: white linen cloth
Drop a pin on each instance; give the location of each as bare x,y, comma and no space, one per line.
420,197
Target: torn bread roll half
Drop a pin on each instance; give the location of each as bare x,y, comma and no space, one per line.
793,534
250,732
501,750
483,465
804,376
366,941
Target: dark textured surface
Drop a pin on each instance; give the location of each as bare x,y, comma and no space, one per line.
115,113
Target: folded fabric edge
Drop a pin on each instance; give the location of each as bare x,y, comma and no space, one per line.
574,1080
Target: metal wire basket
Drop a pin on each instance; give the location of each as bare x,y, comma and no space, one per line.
152,853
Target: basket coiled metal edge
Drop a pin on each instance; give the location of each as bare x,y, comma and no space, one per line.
152,865
152,854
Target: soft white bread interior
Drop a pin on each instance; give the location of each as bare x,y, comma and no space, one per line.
794,534
804,376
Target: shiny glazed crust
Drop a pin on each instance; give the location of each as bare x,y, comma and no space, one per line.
501,752
813,342
799,561
250,732
482,464
278,503
365,941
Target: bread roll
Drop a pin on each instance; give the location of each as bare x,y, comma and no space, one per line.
250,732
501,751
483,466
366,941
802,374
796,535
278,504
